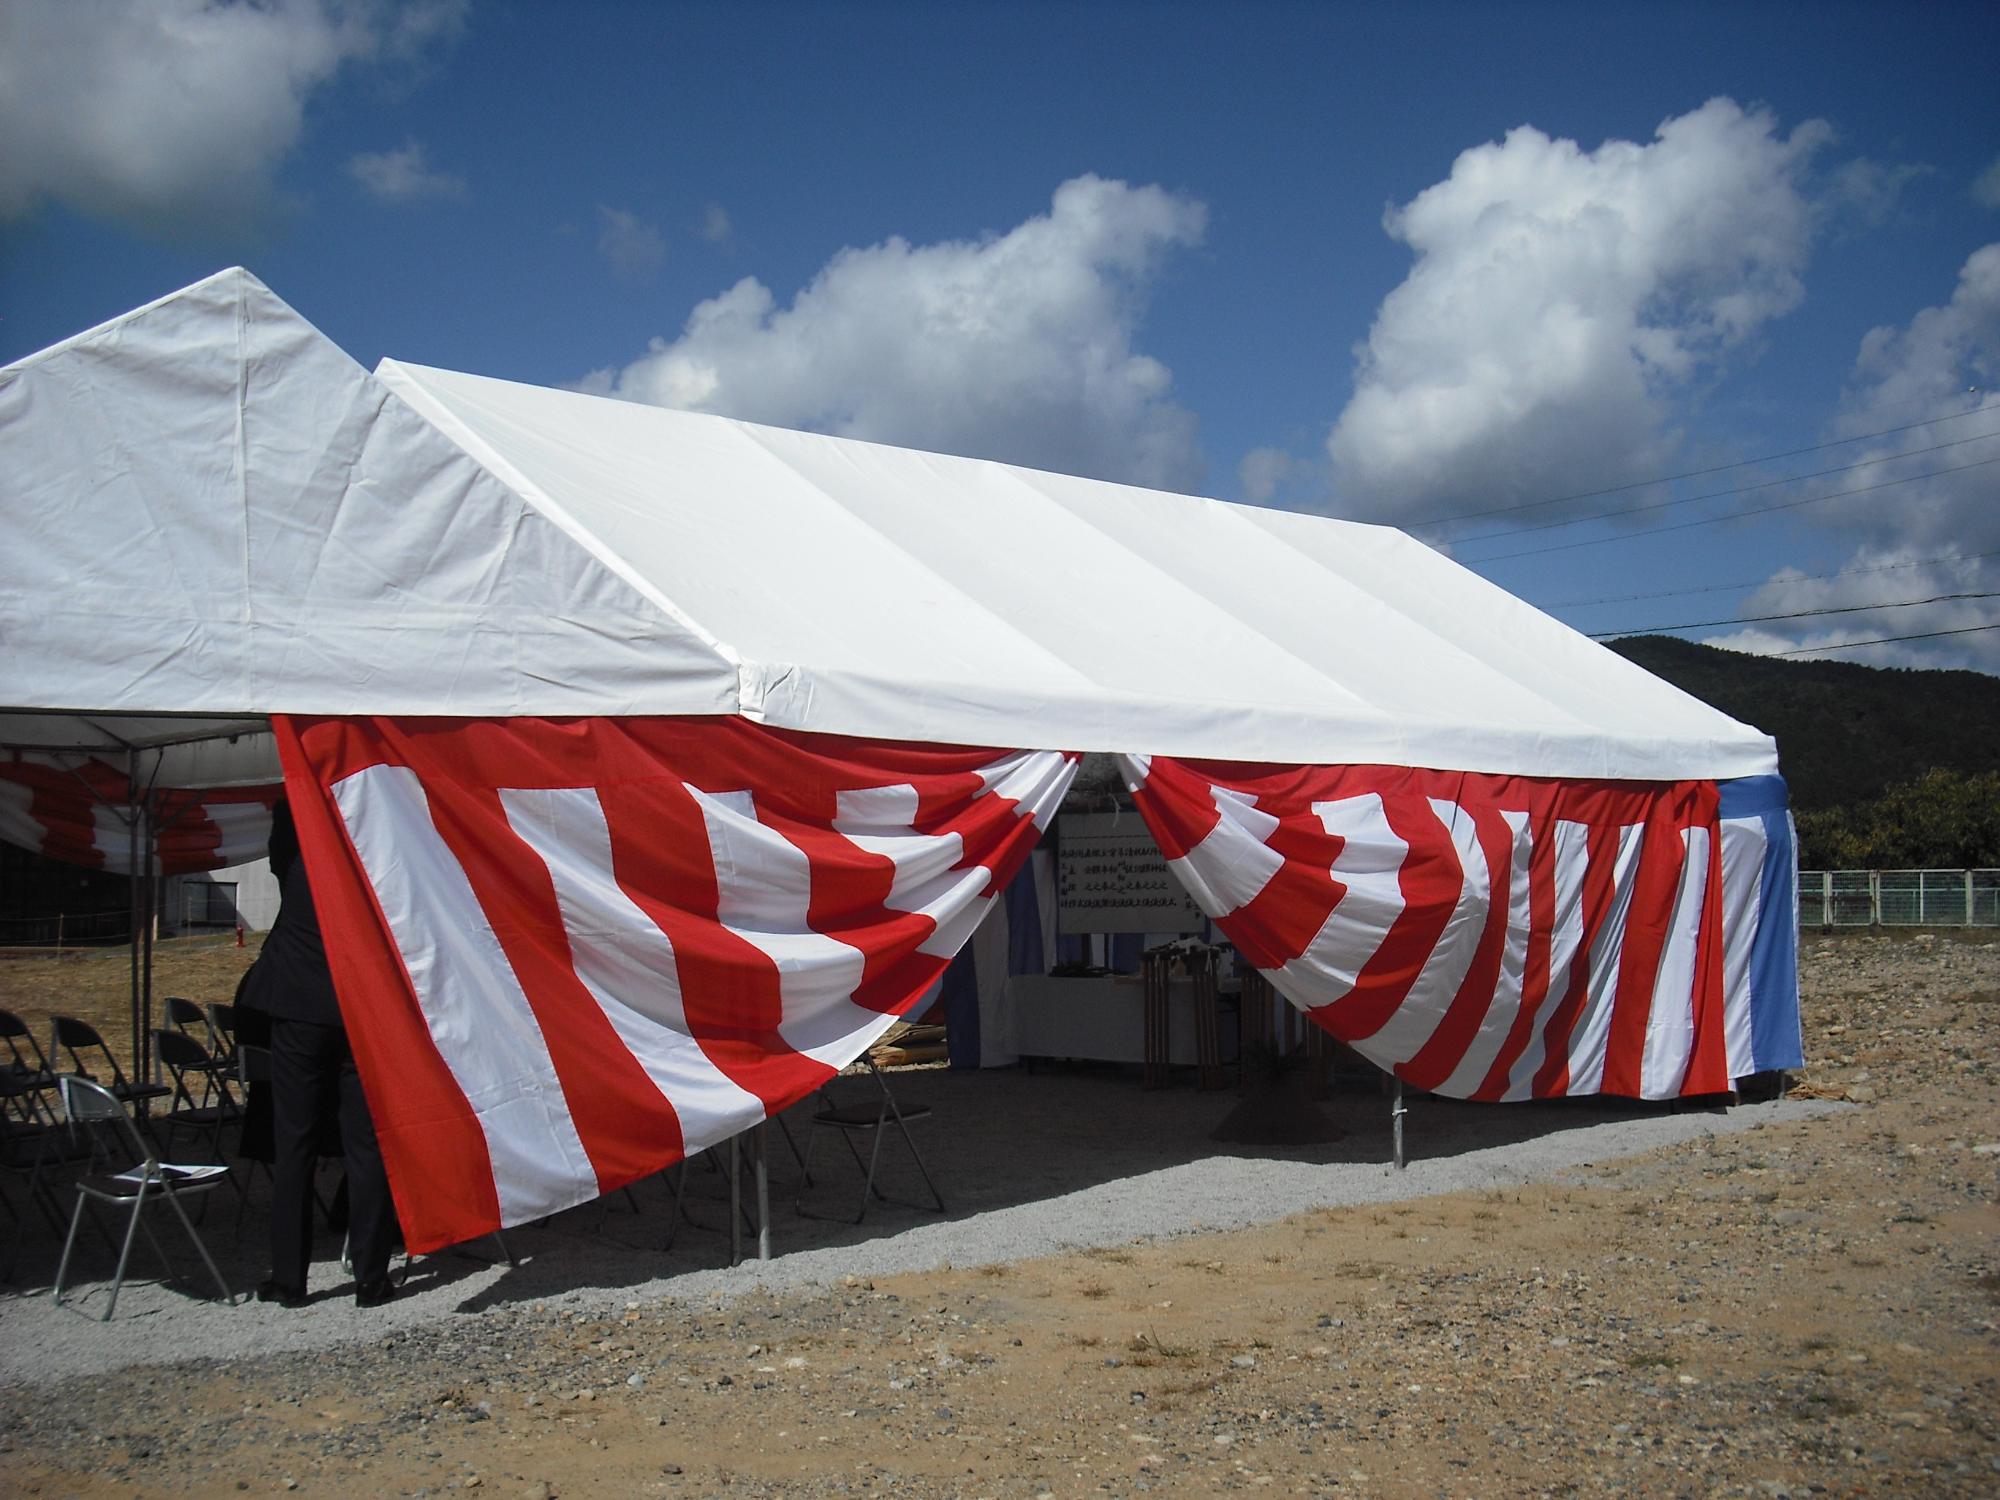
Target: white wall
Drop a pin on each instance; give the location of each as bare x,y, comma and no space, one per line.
256,896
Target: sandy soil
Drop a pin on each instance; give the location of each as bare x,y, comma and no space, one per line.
1803,1308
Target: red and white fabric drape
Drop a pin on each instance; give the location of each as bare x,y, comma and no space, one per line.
1484,937
570,952
79,809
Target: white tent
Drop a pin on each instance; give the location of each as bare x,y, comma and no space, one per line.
568,679
214,514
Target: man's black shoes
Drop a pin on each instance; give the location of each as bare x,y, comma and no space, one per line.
374,1293
284,1296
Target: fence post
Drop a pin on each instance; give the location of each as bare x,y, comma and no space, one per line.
1874,898
1826,900
1968,900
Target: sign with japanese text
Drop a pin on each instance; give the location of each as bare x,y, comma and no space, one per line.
1111,877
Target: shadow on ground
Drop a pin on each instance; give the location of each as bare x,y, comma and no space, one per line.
1029,1162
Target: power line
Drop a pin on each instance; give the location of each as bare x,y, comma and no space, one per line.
1883,640
1737,515
1800,614
1751,583
1746,489
1741,463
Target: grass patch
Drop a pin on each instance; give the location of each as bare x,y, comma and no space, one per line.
1150,1343
1821,1406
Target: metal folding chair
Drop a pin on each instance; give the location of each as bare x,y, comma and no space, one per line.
184,1015
90,1058
189,1066
222,1034
28,1151
27,1082
874,1117
92,1108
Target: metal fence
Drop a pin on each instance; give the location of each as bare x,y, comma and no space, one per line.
66,930
1899,898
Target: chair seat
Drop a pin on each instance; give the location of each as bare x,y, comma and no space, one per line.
162,1178
877,1116
95,1114
866,1116
15,1079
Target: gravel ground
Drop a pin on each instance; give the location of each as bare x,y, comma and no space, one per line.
1776,1299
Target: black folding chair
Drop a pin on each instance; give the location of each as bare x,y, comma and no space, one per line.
94,1110
31,1151
874,1116
90,1058
184,1015
189,1066
222,1029
27,1082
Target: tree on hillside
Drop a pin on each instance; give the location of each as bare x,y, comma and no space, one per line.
1942,820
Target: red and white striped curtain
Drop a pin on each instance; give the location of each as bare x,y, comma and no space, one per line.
570,952
1483,937
79,809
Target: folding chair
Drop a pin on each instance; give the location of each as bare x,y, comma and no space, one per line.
188,1063
92,1107
90,1059
186,1016
27,1149
873,1117
222,1029
27,1083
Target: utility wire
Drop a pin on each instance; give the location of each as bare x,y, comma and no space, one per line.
1751,583
1736,515
1640,484
1746,489
1883,640
1799,614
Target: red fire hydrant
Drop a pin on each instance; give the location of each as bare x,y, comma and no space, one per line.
239,934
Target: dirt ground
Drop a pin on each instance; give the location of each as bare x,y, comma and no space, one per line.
1799,1309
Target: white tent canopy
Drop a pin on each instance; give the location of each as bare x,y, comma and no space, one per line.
214,515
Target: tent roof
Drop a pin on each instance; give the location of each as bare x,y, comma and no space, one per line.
220,514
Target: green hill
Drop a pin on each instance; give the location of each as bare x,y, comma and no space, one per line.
1846,733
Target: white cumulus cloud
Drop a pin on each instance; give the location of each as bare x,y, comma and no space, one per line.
171,115
1882,595
1018,346
1930,490
634,248
1986,186
402,175
1559,299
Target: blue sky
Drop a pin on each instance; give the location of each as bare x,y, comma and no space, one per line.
1394,262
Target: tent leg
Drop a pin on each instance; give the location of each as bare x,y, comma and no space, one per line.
763,1193
1397,1109
735,1203
132,890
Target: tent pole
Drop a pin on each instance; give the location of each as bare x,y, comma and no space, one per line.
147,1066
1397,1109
132,889
735,1202
763,1192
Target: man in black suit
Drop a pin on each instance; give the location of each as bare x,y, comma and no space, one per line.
313,1082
